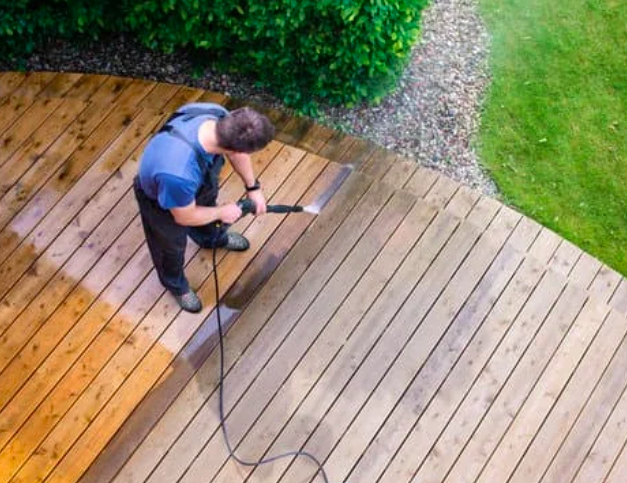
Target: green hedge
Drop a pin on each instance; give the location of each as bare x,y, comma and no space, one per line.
26,24
336,50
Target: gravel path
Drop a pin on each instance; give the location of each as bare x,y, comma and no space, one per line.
432,117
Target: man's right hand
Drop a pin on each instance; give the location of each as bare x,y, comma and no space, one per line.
194,215
230,213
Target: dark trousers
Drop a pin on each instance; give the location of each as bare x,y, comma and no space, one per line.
167,239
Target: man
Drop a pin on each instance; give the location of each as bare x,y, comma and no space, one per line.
178,181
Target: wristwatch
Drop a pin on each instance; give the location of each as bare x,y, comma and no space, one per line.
255,186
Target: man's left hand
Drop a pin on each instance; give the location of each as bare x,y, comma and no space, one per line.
259,200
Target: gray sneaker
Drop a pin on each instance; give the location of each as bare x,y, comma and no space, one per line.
236,242
189,302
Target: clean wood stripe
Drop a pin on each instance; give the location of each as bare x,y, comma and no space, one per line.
46,163
113,88
85,87
11,108
182,96
65,297
34,83
159,96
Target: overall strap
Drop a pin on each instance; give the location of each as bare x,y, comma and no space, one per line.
200,155
187,115
193,112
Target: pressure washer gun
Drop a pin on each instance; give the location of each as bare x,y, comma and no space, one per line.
248,207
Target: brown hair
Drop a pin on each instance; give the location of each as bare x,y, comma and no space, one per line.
244,130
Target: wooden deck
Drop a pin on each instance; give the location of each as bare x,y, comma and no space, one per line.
414,331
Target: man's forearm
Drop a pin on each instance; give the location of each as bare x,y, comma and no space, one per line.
198,216
243,166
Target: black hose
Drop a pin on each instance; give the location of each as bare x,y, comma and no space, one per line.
221,398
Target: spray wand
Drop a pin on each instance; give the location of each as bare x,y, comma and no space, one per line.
248,207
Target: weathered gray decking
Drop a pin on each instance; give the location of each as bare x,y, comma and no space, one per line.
415,331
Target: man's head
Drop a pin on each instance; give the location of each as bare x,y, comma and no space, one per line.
244,130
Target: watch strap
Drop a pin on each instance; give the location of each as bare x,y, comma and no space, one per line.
256,186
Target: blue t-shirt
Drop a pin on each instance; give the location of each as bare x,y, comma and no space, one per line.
168,170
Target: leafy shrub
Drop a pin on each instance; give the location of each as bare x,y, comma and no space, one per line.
339,50
26,24
336,50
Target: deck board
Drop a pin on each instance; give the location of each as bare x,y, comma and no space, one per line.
572,398
22,129
38,143
413,331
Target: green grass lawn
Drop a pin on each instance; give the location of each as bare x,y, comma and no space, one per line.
554,127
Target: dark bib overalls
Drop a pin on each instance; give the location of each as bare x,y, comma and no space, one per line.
167,239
